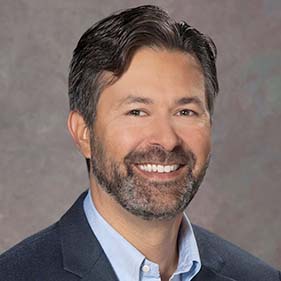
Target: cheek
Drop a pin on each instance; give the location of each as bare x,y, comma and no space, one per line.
120,140
199,141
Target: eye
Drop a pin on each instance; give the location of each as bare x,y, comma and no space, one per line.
187,112
136,112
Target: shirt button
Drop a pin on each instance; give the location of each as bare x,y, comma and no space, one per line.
145,268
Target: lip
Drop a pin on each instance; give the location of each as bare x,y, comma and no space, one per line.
155,176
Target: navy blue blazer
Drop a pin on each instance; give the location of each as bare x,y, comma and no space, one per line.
68,251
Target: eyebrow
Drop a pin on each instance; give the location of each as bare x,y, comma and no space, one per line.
135,99
188,100
182,101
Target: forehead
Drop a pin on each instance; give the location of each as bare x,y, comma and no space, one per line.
158,74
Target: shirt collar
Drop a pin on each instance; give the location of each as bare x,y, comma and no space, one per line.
124,257
126,260
189,258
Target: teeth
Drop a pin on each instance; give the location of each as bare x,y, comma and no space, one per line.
158,168
167,169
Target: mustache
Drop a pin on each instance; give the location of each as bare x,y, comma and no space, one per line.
156,154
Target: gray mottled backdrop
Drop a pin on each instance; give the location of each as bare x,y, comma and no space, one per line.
41,173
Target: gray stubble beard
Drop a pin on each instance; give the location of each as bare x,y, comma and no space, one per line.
147,199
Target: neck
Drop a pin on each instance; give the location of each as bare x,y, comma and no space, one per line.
154,239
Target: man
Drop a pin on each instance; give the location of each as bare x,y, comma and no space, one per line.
141,90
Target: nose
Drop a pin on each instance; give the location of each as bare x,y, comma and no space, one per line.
165,135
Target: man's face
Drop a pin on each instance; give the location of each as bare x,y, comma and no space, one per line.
150,143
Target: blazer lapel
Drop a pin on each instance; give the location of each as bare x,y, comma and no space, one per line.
208,274
212,262
81,251
101,271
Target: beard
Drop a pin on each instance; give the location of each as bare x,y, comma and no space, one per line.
148,199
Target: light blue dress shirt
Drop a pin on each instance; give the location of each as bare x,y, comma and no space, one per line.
128,263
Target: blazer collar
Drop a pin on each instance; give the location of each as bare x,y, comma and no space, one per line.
84,256
212,262
81,251
208,274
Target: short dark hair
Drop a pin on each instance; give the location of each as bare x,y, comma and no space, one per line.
109,45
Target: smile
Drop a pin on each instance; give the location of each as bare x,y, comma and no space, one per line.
156,168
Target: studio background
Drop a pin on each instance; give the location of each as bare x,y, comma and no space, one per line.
41,172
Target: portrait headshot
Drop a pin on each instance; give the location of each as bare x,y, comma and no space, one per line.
140,141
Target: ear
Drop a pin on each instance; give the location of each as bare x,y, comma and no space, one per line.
79,132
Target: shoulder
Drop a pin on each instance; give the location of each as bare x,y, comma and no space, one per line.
234,261
34,256
40,257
